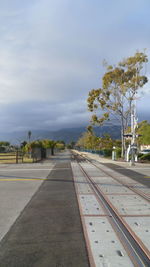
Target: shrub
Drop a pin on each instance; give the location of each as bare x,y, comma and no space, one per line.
145,157
107,152
118,152
140,155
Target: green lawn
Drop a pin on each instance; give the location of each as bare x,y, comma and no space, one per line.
11,158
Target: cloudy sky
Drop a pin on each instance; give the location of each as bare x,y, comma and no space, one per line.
51,54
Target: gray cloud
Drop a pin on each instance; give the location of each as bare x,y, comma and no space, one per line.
51,55
42,115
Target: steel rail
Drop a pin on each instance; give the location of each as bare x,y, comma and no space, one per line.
140,256
124,184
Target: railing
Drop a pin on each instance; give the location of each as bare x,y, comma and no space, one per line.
19,156
11,157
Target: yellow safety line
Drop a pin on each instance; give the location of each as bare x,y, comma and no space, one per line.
147,177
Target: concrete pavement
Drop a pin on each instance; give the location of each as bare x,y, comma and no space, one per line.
140,172
18,183
48,230
39,217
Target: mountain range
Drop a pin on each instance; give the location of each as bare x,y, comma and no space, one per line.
67,135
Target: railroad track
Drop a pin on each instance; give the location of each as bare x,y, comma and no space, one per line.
130,243
135,189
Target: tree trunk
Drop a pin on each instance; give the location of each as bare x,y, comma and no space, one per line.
122,139
122,144
52,151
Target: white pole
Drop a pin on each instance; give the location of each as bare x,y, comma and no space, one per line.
133,131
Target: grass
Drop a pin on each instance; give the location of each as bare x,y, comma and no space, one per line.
10,158
27,160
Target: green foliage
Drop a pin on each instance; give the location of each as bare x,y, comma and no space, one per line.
144,131
145,157
23,144
107,152
106,142
140,155
90,129
2,149
4,143
88,141
60,142
118,152
29,146
60,146
46,143
69,146
119,87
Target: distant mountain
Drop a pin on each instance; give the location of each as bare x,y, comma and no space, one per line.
73,134
67,135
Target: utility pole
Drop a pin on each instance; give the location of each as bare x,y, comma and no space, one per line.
29,135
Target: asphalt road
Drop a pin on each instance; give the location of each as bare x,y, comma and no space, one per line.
142,176
18,183
48,230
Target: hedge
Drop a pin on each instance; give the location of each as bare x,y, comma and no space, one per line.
145,157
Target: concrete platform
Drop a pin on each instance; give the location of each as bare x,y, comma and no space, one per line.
130,204
141,226
139,173
90,205
133,209
104,246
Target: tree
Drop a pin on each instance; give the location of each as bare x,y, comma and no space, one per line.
30,146
88,140
60,145
120,85
71,145
46,143
144,131
43,144
23,144
106,142
4,143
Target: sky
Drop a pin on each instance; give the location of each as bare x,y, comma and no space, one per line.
51,54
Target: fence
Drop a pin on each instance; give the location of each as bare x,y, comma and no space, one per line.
103,153
18,156
11,157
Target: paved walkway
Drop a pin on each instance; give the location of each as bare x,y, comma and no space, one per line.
48,232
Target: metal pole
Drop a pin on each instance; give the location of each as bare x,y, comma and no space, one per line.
17,156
